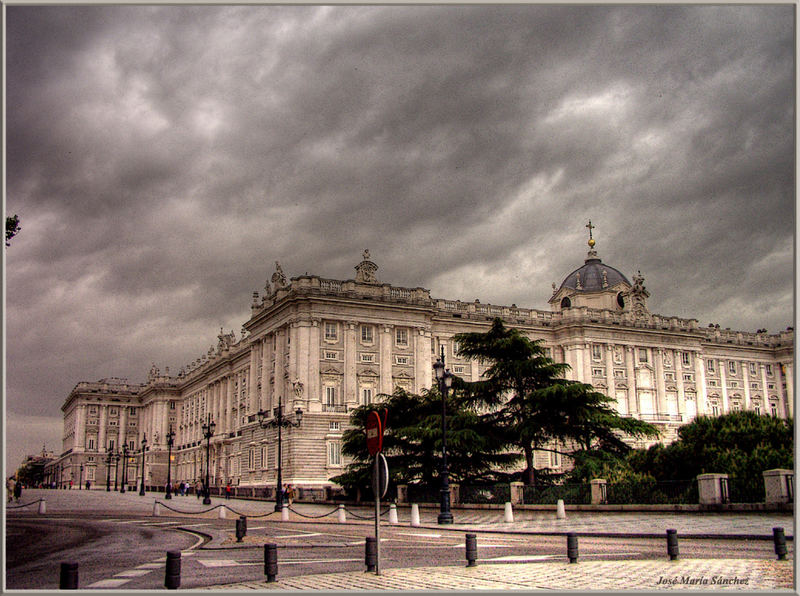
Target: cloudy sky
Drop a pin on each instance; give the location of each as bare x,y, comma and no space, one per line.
161,159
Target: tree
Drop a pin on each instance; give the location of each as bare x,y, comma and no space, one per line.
413,441
12,227
533,405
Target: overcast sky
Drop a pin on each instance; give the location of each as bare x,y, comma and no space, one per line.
161,159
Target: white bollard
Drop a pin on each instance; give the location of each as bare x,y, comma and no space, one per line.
42,507
560,513
285,513
222,512
508,515
156,509
392,513
415,515
341,516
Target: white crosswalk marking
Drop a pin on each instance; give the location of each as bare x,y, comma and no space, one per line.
133,573
109,583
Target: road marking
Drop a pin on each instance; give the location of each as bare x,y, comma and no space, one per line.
163,523
108,583
420,535
482,545
300,535
150,565
133,573
301,561
524,558
194,525
219,563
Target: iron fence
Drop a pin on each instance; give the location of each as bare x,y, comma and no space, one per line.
491,493
571,494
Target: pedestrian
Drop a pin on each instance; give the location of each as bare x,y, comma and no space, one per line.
228,491
197,488
88,484
290,494
17,491
10,487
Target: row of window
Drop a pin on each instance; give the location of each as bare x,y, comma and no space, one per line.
366,332
367,357
733,367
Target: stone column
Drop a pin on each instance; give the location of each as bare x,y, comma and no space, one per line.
633,401
123,425
789,373
101,434
349,388
304,353
252,382
386,358
422,359
585,356
266,347
612,387
661,389
779,391
766,408
746,381
702,392
723,380
229,405
313,385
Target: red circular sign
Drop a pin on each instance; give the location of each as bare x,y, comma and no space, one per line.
374,433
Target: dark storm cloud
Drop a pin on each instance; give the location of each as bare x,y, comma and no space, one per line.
162,158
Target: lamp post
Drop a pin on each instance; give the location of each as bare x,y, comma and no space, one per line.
208,432
124,468
109,459
116,469
170,439
445,380
280,422
143,449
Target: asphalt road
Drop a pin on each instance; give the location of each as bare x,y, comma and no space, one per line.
132,549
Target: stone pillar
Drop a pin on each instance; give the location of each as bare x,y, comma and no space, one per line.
746,381
633,402
766,408
313,385
349,388
713,489
455,494
385,341
101,434
661,389
402,494
599,494
702,391
252,381
789,374
517,493
266,349
723,380
610,382
779,486
229,404
423,368
304,353
123,426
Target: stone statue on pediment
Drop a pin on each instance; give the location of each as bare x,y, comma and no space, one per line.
365,270
278,278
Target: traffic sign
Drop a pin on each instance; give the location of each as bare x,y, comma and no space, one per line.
374,433
380,477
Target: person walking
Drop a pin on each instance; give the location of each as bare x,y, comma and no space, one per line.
290,494
10,486
228,491
17,491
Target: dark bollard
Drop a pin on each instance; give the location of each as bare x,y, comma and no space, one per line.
672,544
69,577
271,561
172,574
241,528
370,553
779,538
572,547
471,550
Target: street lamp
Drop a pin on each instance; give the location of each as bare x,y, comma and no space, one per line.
208,432
445,380
170,439
279,421
124,467
143,449
116,469
109,459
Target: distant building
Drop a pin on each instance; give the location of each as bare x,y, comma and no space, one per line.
32,469
327,346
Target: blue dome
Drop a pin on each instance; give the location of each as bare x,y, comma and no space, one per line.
591,277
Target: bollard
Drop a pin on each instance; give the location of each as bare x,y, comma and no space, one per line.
572,547
222,513
69,577
285,513
42,507
271,561
560,512
471,545
156,510
508,514
779,538
393,514
370,553
240,530
415,515
172,573
672,544
244,524
341,516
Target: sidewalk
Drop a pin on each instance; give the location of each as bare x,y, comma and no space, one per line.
703,574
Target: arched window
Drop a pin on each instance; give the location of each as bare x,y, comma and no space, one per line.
566,302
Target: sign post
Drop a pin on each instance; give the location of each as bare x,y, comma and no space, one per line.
374,429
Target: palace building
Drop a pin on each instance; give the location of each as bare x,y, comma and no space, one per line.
326,346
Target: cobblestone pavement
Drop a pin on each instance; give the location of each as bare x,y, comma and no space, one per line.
703,574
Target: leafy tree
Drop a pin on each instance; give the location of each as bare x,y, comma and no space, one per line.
532,405
12,227
412,442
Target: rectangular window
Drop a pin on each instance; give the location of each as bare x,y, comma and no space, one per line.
366,394
555,460
112,422
401,359
263,457
736,407
90,444
367,357
686,358
171,405
130,445
458,370
669,376
757,409
769,369
597,372
111,444
455,347
330,355
597,352
642,354
774,408
93,411
90,473
712,383
770,385
732,367
331,331
734,383
334,453
711,366
753,385
715,410
752,368
401,337
251,456
618,373
330,396
334,425
688,377
366,334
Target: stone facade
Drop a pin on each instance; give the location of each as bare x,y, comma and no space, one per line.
326,346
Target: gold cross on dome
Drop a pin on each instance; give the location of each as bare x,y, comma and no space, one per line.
591,227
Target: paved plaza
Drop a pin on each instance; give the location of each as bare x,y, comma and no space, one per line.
522,574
